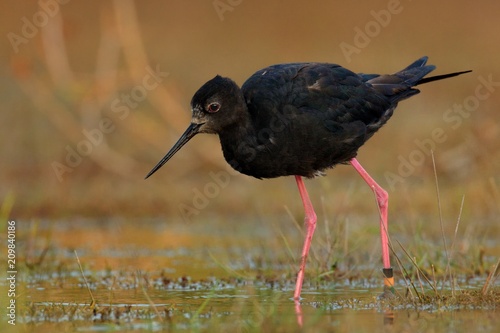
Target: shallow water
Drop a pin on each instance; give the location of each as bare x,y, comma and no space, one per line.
172,276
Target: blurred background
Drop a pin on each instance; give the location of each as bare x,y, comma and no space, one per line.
94,93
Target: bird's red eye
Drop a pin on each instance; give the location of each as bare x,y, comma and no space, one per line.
213,107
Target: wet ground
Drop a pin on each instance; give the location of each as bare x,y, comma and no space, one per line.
172,276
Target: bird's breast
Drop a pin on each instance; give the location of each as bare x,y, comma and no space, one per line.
279,156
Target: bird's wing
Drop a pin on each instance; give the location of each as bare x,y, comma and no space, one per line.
327,92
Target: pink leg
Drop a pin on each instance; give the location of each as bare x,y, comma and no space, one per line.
382,200
298,312
310,221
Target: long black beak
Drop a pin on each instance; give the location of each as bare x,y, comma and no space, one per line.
191,131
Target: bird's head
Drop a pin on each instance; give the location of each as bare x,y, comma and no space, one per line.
215,106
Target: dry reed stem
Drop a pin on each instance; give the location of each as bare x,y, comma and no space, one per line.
150,301
93,304
491,278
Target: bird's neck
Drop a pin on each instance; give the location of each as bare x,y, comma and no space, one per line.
239,131
239,142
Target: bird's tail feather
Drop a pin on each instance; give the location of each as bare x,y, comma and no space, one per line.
440,77
398,86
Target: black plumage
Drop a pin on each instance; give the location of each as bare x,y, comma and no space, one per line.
298,118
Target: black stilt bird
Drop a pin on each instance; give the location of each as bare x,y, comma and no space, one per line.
300,119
